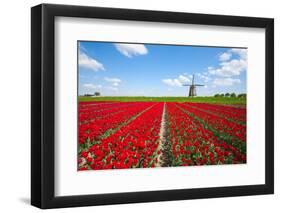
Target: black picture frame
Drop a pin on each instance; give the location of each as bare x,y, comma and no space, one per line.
43,105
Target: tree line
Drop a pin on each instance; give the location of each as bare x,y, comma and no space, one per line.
231,95
95,94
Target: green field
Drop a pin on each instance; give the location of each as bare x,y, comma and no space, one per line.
215,100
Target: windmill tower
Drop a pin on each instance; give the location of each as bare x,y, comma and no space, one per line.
192,87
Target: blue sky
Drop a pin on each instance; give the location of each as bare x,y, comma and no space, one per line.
120,69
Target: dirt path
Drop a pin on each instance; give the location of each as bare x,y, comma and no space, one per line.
162,136
165,157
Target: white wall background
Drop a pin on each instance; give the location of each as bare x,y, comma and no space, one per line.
15,105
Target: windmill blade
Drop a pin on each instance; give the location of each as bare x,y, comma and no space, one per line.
186,85
200,85
193,79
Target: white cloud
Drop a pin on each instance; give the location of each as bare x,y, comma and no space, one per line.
226,81
176,81
204,77
230,68
92,86
81,47
171,82
89,63
183,79
113,81
131,50
232,63
225,56
241,52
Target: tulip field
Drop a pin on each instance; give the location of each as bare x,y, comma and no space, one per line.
136,134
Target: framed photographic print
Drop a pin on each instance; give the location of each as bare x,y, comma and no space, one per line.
139,106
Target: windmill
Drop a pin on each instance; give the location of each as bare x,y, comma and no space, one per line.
192,87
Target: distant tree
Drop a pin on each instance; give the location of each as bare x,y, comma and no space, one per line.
217,95
222,95
97,93
242,95
233,95
227,94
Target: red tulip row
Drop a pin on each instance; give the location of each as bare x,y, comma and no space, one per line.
193,144
94,105
98,107
95,129
92,113
223,127
133,145
232,113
